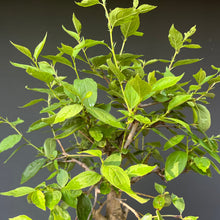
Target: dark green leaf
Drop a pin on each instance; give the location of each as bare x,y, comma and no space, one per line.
84,207
37,125
39,47
105,117
100,60
9,142
18,192
178,100
83,180
70,196
175,164
50,148
120,76
59,59
32,169
159,188
200,76
178,202
173,141
185,62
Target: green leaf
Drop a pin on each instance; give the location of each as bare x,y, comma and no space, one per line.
39,47
22,49
84,207
96,153
59,213
159,217
62,177
52,198
190,32
192,46
59,59
130,28
144,8
50,148
18,192
114,159
204,117
76,23
96,133
173,141
202,163
178,100
37,125
105,117
185,62
97,61
175,38
83,180
159,202
166,82
200,76
148,216
87,3
70,196
20,217
178,202
175,164
178,121
85,86
139,170
32,102
120,76
191,218
32,169
159,188
119,178
72,34
38,199
9,142
68,111
132,97
46,77
105,188
19,65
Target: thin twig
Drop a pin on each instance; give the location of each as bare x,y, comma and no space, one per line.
83,165
62,148
130,208
131,134
148,104
86,137
95,201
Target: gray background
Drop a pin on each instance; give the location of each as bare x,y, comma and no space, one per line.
25,22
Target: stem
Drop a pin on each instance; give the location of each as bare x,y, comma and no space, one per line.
173,59
123,45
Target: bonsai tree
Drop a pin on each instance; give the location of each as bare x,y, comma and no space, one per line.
109,143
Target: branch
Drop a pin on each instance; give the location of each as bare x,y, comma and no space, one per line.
131,134
148,104
95,201
83,165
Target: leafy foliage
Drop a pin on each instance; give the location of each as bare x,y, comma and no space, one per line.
105,146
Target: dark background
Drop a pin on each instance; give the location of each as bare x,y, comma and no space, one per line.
25,22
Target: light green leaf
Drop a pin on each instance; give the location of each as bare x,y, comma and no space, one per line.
175,164
185,62
20,217
159,188
190,32
83,180
40,75
32,169
84,207
96,133
178,100
18,192
178,202
200,76
72,34
68,111
19,65
173,141
142,119
166,82
50,148
85,86
113,159
39,47
52,198
204,117
76,23
159,202
37,125
144,8
105,117
70,196
62,177
132,97
87,3
17,122
175,38
159,216
202,163
38,199
191,218
119,178
9,142
139,170
96,153
148,216
32,102
178,121
192,46
59,213
22,49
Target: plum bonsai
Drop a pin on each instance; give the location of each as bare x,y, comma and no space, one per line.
109,143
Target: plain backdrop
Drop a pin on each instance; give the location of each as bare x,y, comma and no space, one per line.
25,22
